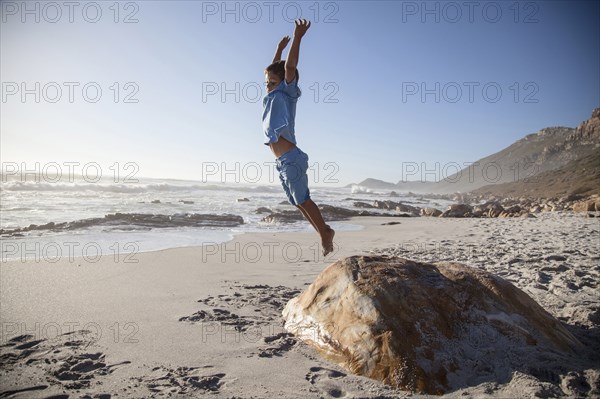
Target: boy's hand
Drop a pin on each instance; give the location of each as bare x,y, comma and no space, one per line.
302,26
291,62
283,43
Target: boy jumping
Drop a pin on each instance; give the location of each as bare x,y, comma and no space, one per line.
281,79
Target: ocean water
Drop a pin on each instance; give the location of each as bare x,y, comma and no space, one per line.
23,203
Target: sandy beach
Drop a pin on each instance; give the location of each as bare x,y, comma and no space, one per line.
164,166
207,320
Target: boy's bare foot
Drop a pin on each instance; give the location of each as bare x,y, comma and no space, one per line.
327,241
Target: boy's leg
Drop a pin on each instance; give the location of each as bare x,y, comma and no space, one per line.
313,214
307,217
292,173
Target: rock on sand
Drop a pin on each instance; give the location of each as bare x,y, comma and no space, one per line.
429,328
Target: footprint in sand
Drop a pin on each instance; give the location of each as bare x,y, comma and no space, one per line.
76,371
265,301
61,360
222,316
13,392
165,382
325,381
280,343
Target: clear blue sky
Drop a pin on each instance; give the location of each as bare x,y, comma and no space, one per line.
363,65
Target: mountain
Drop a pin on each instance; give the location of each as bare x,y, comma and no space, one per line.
578,176
581,176
376,184
537,154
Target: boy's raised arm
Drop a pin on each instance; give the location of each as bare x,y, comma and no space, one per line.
291,62
282,44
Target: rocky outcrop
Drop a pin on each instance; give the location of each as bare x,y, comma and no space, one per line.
329,212
409,209
491,209
457,211
588,131
360,204
398,206
517,206
470,205
135,221
589,205
285,216
430,328
387,204
430,212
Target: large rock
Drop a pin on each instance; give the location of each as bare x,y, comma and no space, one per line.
590,130
360,204
457,211
398,206
430,212
408,209
589,205
490,209
430,328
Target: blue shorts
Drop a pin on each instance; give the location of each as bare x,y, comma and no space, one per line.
292,167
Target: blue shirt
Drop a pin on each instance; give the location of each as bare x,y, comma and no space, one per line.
279,112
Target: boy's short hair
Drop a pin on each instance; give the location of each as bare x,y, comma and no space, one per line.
278,68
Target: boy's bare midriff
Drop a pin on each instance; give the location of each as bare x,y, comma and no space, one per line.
281,147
